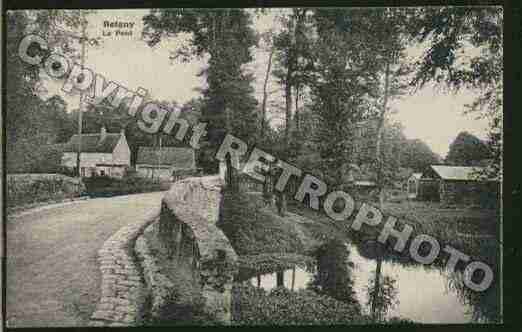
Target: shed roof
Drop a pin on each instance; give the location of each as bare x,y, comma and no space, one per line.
180,158
468,173
93,143
364,183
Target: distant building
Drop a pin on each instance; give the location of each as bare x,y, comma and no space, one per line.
458,185
413,185
104,154
162,163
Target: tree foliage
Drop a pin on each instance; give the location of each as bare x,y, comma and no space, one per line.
418,155
448,31
225,36
467,150
31,122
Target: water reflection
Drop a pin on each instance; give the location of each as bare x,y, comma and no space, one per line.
415,292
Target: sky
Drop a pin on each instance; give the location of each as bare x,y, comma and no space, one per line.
429,114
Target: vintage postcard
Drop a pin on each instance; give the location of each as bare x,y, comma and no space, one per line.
260,166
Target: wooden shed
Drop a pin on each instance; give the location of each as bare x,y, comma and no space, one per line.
457,185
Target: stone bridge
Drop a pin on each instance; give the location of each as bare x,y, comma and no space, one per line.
185,240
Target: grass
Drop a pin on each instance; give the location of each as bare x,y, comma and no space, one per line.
253,229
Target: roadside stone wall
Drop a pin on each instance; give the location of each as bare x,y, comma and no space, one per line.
123,291
187,230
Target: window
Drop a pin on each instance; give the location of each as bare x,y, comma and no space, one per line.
82,171
102,172
412,187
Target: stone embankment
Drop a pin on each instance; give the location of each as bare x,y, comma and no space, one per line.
123,292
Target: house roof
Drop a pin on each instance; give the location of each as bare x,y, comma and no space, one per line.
456,172
93,143
180,158
416,175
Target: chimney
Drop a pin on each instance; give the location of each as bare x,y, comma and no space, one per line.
103,133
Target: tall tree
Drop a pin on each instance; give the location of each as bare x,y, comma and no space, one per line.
269,40
32,122
390,33
291,47
467,150
344,84
449,31
417,155
226,37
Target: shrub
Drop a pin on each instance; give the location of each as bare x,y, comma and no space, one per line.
25,189
254,306
104,186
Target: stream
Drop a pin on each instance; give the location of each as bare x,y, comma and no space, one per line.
420,293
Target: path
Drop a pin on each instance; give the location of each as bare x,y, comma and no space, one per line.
53,278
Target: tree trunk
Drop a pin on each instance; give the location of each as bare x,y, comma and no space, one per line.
281,204
293,278
296,112
298,34
376,290
280,276
380,127
288,105
380,184
81,106
265,92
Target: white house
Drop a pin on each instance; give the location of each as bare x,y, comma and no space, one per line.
163,162
101,154
413,185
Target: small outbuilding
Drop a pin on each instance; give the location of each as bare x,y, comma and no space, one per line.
413,185
162,163
458,185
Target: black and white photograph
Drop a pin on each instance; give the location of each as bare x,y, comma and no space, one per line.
253,166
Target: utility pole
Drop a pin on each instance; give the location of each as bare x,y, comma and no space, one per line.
159,155
82,41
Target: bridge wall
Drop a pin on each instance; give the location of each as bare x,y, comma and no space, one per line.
187,232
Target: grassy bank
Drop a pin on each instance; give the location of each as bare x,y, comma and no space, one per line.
267,243
472,231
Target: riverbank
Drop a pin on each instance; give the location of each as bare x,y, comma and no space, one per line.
268,243
470,230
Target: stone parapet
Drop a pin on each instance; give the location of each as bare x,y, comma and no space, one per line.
123,291
187,229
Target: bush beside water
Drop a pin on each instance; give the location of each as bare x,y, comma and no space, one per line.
255,306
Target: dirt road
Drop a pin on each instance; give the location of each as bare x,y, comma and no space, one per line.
53,278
